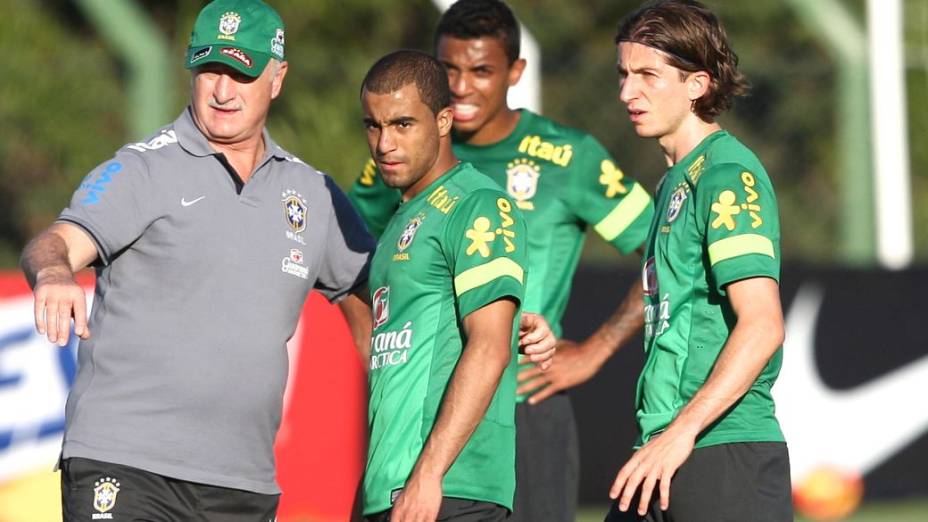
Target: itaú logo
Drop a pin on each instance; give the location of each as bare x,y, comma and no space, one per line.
381,306
854,429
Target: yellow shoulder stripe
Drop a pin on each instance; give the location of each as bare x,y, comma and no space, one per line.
483,274
738,246
624,214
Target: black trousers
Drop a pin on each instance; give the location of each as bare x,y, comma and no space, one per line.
547,461
740,482
458,510
94,490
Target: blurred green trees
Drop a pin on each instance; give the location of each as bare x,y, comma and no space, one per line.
62,104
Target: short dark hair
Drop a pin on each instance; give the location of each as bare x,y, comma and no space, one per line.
400,68
470,19
693,39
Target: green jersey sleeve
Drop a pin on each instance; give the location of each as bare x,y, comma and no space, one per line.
485,243
600,194
737,211
373,199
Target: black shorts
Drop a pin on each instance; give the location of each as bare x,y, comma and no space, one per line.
93,490
725,483
547,461
458,510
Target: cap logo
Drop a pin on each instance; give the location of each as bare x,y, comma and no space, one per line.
199,55
277,43
237,54
228,25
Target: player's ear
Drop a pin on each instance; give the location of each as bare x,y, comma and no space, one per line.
515,71
277,81
444,119
697,84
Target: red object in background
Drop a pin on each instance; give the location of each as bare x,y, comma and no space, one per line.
321,444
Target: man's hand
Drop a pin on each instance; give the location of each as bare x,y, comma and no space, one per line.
656,462
536,340
58,298
419,501
573,364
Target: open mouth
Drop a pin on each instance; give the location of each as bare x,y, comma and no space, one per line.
464,111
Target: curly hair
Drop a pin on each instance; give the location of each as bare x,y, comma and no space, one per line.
469,19
692,39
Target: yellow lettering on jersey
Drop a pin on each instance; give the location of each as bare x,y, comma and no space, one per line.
480,237
442,200
695,169
401,256
508,235
369,174
753,208
726,209
611,176
536,148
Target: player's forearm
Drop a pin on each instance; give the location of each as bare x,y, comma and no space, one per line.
620,327
470,391
749,348
357,311
47,254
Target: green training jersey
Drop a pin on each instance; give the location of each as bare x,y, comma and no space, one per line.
563,180
717,223
457,246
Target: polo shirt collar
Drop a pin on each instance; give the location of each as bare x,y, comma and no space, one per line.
192,140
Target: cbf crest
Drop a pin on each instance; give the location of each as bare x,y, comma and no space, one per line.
676,202
522,181
294,210
104,497
409,232
229,22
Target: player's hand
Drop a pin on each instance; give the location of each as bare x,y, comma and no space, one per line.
419,501
58,298
570,366
536,340
654,464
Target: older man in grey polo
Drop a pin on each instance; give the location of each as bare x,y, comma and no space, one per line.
207,238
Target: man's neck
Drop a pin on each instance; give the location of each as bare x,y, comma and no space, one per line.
243,156
495,130
686,138
446,161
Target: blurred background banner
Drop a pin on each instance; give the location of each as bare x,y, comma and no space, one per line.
837,113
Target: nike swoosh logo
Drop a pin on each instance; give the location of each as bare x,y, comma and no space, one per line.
855,429
186,203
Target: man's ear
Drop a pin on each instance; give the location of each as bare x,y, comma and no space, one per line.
697,84
445,119
515,71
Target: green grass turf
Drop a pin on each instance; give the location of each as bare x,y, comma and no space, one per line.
909,510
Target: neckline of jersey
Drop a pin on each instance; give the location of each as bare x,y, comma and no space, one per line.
453,171
525,118
699,149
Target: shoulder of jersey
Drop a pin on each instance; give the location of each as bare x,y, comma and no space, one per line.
726,156
164,140
550,129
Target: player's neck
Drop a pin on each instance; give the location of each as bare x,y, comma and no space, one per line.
685,138
496,130
445,161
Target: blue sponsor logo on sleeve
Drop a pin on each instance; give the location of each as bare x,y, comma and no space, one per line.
96,185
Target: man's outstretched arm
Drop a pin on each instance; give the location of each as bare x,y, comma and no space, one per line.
49,262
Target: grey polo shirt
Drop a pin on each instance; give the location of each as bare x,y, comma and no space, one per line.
201,282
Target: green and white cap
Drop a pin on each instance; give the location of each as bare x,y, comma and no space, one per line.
243,34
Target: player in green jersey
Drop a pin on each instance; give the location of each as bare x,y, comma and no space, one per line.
710,441
564,181
447,281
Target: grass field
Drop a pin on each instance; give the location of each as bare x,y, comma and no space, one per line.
914,510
